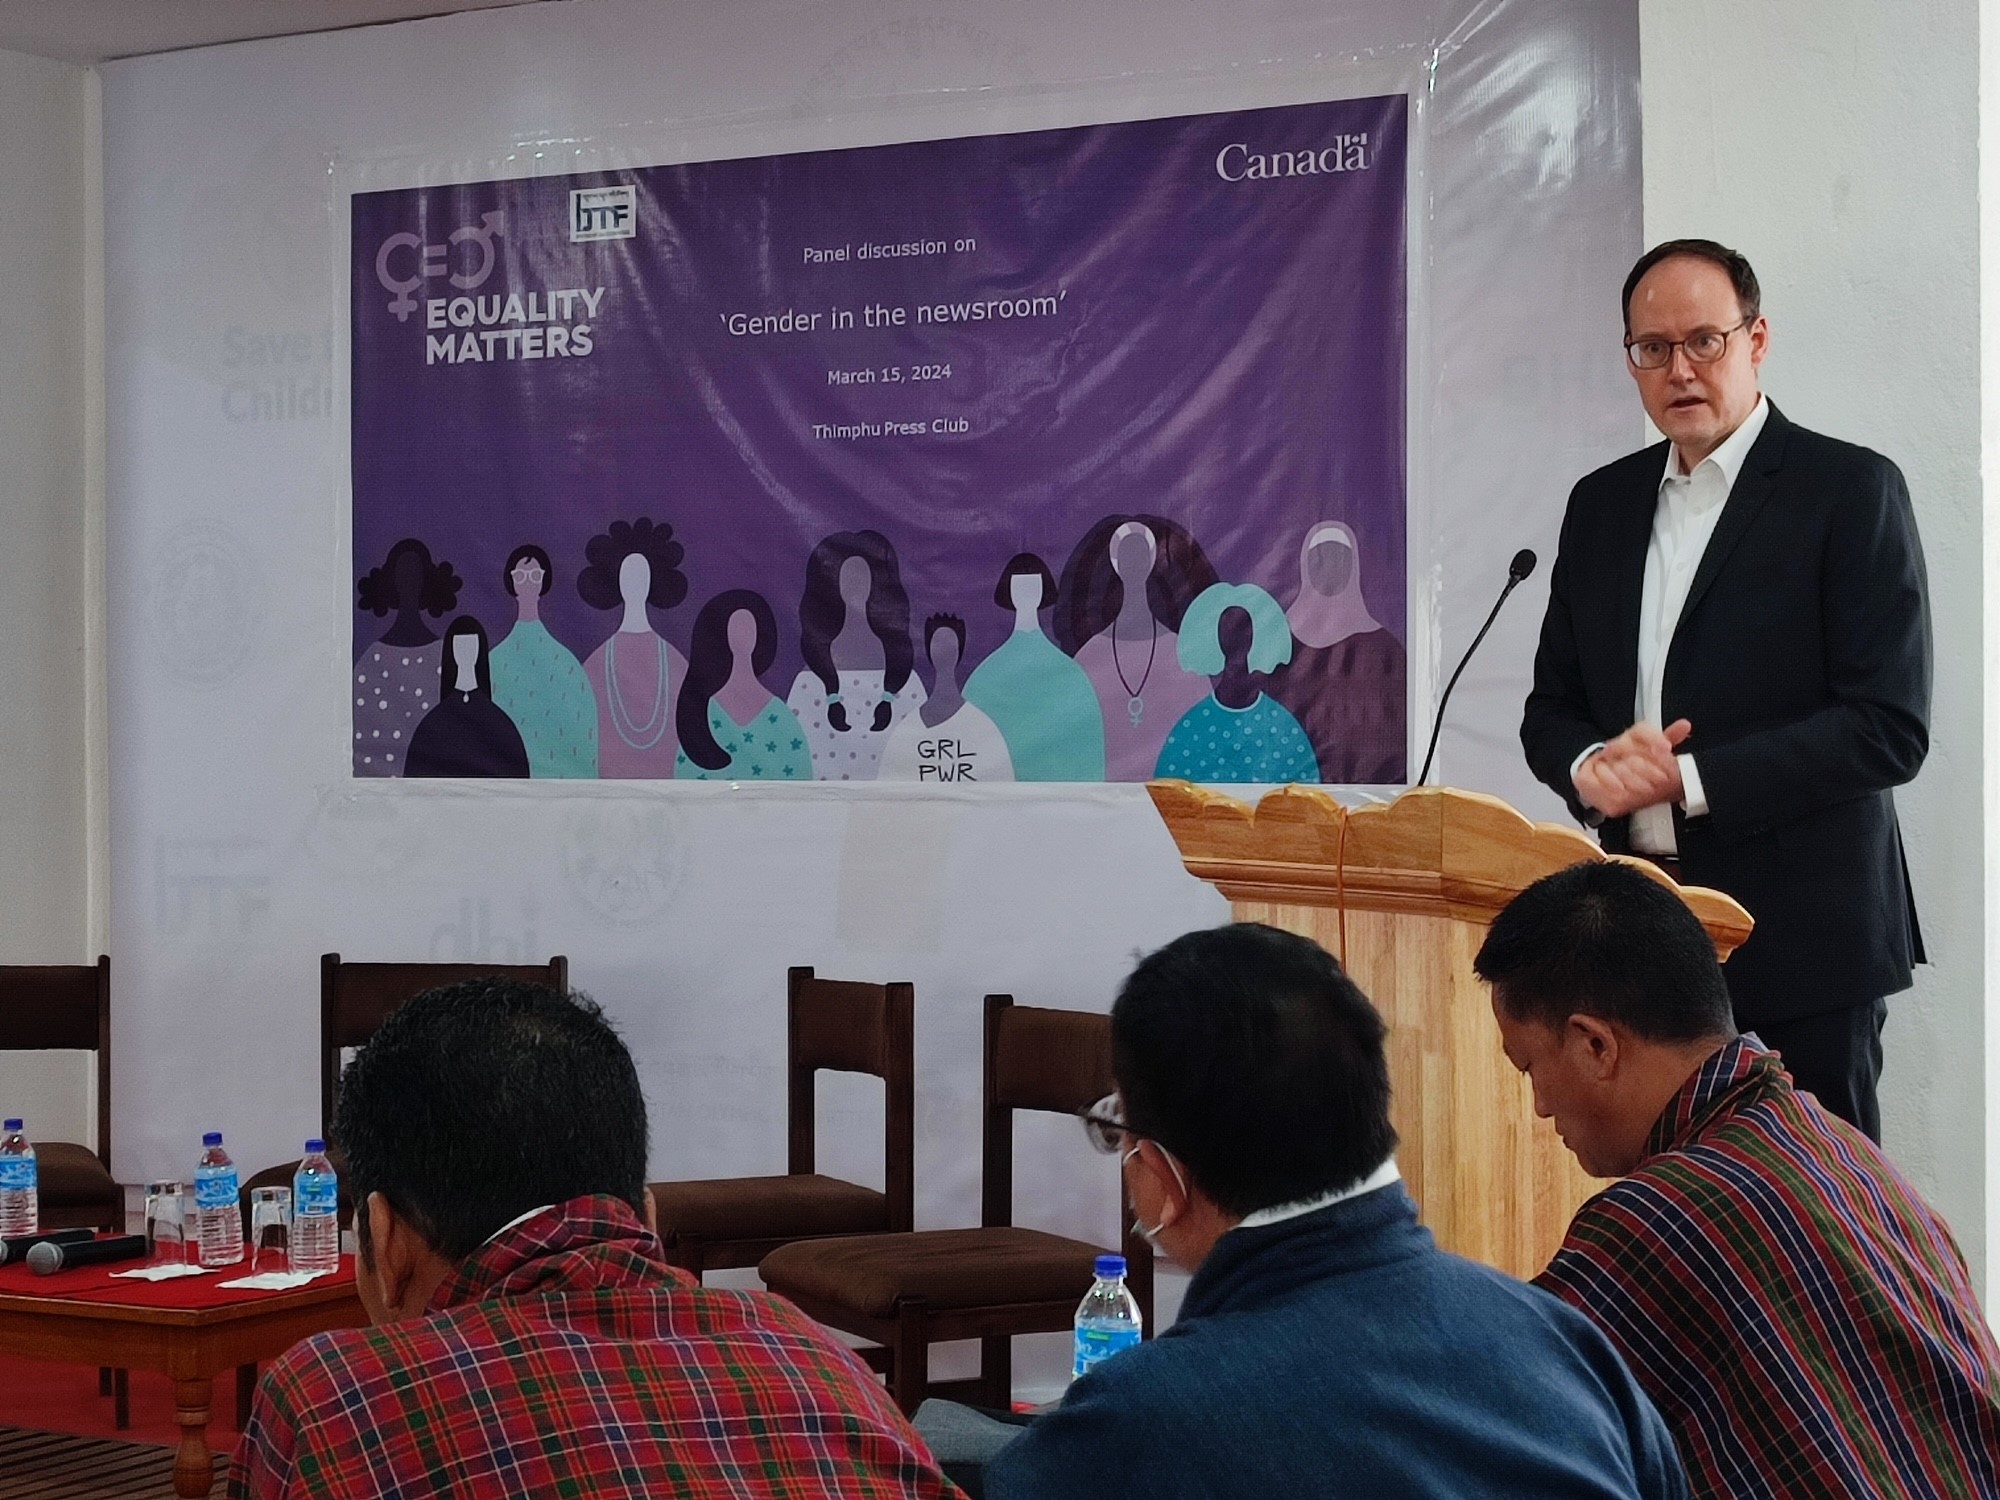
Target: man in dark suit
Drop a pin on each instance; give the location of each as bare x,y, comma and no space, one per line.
1735,670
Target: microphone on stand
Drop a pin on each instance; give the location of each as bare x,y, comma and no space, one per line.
14,1246
1522,565
46,1259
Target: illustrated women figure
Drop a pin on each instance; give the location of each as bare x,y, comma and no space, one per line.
1124,590
947,740
732,727
1044,705
854,632
634,566
537,680
396,679
1346,681
1236,633
467,733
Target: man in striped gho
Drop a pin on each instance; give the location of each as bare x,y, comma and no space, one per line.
1800,1316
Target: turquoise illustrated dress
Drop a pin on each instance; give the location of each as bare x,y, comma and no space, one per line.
1045,707
1261,743
771,747
541,686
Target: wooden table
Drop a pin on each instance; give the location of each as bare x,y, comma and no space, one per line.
191,1345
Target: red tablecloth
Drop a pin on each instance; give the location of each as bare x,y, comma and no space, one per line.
100,1284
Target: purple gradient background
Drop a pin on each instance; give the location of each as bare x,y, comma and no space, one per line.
1229,355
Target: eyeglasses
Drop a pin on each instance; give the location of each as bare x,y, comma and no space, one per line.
1104,1123
1703,348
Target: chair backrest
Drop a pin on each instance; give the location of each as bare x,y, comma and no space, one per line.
855,1028
355,999
65,1007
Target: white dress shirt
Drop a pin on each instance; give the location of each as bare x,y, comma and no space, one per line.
1683,523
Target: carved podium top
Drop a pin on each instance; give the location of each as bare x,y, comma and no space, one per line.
1433,851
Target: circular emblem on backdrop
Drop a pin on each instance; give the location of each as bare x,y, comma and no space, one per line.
919,54
204,608
624,864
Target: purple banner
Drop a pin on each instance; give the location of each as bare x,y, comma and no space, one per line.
1066,456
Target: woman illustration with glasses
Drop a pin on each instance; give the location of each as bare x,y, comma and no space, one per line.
537,680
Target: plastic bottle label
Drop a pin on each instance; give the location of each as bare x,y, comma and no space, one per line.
1094,1345
17,1174
318,1194
215,1190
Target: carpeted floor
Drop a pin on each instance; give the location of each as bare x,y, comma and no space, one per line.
63,1398
58,1466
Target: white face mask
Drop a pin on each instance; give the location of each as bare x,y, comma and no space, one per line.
1150,1236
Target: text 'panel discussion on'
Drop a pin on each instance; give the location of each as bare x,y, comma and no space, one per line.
1081,750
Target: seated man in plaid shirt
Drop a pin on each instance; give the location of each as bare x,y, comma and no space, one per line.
1799,1315
529,1337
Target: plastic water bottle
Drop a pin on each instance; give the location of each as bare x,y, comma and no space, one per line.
20,1210
1107,1319
315,1239
218,1216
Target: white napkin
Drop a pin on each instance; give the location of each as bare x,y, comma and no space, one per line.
166,1272
274,1281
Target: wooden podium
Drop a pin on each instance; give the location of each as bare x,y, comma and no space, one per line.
1402,894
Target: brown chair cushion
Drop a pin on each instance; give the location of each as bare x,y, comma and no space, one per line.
71,1176
946,1268
767,1208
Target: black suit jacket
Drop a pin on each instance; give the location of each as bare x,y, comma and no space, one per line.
1803,661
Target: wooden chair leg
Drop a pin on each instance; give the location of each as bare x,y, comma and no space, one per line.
121,1400
246,1393
910,1378
996,1373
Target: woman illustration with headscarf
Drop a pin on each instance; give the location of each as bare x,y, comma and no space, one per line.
854,632
396,678
1235,633
1043,704
537,680
732,727
1346,681
635,566
467,733
1118,612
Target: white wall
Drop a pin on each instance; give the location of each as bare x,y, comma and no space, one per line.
1835,142
45,613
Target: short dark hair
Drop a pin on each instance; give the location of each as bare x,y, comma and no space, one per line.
481,1100
1749,296
527,552
1603,939
1248,1053
944,625
1017,565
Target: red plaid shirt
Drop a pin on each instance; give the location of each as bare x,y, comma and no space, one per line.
567,1358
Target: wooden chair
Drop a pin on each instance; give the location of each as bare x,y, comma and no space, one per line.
909,1291
354,1001
68,1007
736,1221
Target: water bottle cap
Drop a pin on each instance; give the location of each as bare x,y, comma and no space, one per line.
10,1125
1109,1266
315,1146
212,1138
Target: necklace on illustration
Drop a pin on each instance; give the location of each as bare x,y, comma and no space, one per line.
1135,705
638,736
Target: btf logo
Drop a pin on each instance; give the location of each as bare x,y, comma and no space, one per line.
471,271
603,213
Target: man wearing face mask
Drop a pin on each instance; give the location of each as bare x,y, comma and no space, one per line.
1326,1346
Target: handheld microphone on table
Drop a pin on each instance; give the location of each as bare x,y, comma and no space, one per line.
15,1246
1522,565
46,1259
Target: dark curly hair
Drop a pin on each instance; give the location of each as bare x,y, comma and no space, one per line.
437,588
821,612
606,552
1092,593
